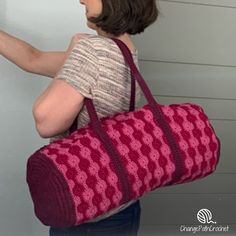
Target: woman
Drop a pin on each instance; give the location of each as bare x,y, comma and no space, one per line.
92,67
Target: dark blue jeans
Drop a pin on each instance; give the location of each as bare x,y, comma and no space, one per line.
124,223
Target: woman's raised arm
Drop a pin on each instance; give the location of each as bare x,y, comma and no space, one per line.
31,59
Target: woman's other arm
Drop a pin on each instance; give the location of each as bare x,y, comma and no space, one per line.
31,59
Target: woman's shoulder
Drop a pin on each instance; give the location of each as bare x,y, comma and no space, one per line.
98,42
95,45
104,45
97,39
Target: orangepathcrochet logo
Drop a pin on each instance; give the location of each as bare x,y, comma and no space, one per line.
205,217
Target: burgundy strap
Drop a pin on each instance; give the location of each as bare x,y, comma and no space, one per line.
132,94
91,109
135,75
154,106
158,115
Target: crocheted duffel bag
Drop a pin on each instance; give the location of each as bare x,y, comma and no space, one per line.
113,160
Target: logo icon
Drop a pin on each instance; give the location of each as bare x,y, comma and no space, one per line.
204,216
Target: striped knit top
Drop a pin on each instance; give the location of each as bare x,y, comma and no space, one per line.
96,69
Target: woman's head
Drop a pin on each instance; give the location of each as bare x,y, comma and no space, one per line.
117,17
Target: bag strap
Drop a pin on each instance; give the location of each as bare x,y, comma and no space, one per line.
155,107
135,75
131,105
158,116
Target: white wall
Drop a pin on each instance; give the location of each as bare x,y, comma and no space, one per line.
188,55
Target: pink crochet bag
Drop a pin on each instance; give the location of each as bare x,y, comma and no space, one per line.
111,161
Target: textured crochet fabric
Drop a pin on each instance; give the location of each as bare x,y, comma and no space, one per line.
109,162
96,69
69,195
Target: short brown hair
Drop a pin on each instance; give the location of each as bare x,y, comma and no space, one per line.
126,16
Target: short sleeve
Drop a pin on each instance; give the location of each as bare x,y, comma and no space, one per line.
81,68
